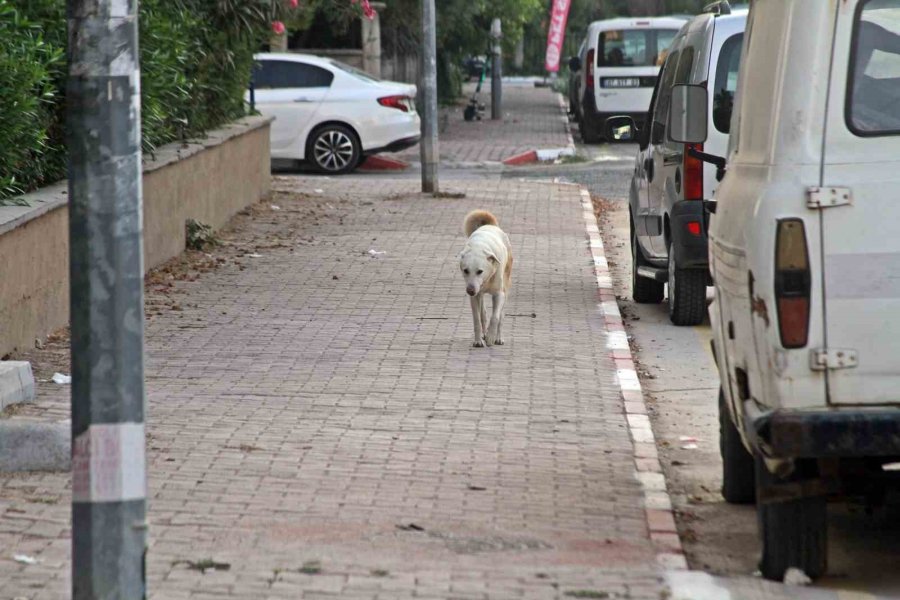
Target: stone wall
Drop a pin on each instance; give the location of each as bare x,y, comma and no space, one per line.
209,181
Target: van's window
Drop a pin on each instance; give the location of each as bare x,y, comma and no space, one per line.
726,82
664,98
633,47
685,66
873,105
277,74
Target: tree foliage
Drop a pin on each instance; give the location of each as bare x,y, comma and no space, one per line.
463,28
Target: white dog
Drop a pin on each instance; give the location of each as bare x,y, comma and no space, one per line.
486,264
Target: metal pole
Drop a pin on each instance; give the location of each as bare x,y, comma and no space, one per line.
109,480
429,144
496,72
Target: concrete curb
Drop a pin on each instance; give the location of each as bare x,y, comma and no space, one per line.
536,155
35,446
564,109
16,383
543,155
648,471
383,163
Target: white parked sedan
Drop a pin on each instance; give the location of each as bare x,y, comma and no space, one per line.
330,114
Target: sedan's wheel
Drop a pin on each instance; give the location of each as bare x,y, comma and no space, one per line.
687,293
334,149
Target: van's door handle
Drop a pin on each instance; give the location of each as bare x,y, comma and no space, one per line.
303,99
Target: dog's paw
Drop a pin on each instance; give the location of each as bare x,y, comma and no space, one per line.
499,342
490,339
478,344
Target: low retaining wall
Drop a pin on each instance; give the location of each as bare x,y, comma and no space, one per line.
208,181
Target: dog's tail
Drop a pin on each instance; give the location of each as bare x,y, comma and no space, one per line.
476,219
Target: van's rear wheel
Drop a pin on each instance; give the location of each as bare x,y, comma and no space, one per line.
793,533
738,475
687,293
643,290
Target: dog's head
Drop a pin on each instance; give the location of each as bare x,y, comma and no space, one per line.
477,266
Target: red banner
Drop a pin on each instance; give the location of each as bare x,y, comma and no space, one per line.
556,34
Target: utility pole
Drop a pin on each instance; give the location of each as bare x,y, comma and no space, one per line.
496,72
109,481
428,147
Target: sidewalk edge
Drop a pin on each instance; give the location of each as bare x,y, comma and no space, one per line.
648,471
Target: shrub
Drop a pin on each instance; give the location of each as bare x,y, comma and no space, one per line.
196,57
29,66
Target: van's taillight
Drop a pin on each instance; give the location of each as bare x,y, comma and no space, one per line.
398,102
693,173
589,79
792,283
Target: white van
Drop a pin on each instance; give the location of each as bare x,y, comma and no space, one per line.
618,66
805,258
665,201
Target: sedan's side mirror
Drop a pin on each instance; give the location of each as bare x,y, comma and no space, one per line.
620,129
574,63
688,114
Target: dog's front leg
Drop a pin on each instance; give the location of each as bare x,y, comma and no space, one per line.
492,337
477,302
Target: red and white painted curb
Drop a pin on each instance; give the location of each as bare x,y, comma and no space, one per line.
548,154
648,471
544,155
564,109
382,163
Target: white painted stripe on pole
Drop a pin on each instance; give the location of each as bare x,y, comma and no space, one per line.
109,463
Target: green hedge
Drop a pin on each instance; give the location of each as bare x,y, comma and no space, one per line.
196,57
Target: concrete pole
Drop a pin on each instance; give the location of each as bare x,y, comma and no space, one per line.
429,144
109,482
496,72
371,40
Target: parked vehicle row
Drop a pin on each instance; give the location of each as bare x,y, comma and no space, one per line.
330,114
802,249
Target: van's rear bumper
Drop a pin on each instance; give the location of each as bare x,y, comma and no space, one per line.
821,434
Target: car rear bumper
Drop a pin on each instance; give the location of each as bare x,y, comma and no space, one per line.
395,146
596,121
387,127
822,434
691,251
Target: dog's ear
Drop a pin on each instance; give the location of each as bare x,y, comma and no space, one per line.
493,259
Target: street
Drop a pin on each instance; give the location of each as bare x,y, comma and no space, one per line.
319,425
681,384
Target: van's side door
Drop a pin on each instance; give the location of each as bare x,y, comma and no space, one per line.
861,234
664,157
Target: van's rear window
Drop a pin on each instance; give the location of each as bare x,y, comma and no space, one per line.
873,99
634,47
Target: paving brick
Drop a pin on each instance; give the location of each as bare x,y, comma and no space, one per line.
532,120
297,418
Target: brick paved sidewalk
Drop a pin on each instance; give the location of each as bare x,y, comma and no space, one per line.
319,421
532,119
